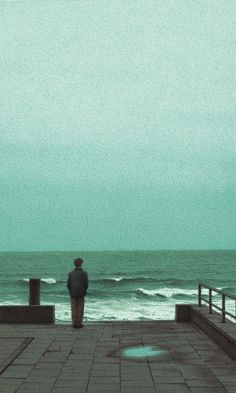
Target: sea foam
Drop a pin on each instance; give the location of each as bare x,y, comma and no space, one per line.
169,292
45,280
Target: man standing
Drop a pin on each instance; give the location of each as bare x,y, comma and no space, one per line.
77,283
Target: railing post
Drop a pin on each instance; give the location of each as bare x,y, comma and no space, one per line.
210,301
34,291
199,295
223,307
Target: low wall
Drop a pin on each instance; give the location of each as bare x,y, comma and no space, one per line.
223,334
27,314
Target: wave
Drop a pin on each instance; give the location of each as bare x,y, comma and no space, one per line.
122,279
113,309
44,280
167,292
113,280
170,292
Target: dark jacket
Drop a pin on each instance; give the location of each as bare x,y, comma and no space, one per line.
77,282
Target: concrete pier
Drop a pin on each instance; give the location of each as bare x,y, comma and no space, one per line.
60,359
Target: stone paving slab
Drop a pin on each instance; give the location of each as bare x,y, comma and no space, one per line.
8,345
10,348
61,359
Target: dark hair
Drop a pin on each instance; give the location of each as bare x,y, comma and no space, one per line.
78,261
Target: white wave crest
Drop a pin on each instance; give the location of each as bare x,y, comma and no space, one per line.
170,292
45,280
167,292
49,280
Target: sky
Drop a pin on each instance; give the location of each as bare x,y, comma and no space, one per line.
117,124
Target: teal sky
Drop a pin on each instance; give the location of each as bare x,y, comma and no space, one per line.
117,124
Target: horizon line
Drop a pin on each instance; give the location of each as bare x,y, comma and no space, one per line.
123,250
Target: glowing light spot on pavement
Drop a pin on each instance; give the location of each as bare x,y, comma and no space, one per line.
141,351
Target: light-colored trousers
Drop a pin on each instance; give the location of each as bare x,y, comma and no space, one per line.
77,310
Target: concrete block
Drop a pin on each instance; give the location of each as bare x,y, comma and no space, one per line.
182,312
27,314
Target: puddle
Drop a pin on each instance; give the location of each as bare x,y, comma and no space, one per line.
142,351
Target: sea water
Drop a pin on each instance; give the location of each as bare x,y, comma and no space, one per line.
123,285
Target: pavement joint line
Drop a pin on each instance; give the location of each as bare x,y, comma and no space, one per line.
150,371
90,370
8,361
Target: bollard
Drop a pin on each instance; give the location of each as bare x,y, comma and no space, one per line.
199,295
34,291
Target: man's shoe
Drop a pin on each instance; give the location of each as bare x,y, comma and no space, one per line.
80,326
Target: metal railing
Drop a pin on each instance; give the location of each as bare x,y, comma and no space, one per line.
211,304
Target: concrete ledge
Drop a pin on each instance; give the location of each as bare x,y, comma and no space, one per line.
27,314
223,334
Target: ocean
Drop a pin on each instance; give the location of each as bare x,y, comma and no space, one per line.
123,285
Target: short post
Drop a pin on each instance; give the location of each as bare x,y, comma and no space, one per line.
199,295
210,300
223,307
34,291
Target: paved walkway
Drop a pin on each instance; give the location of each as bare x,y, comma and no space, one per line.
61,359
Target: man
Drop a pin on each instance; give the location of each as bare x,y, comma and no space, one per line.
77,283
